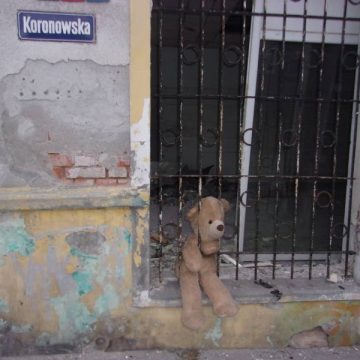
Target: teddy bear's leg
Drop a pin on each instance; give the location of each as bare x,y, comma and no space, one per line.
192,315
219,295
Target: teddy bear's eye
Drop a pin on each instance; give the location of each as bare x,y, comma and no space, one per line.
210,222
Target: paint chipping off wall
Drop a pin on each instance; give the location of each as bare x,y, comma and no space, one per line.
66,99
215,334
76,284
141,148
78,272
142,234
14,239
78,108
4,308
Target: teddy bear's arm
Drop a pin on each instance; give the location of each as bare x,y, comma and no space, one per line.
191,254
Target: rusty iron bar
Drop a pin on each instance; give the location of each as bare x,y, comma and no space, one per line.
220,129
240,116
280,129
236,176
298,150
249,13
339,90
180,105
319,199
259,146
201,90
200,104
161,149
257,97
315,194
300,252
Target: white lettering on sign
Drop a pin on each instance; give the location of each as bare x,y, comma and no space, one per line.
79,27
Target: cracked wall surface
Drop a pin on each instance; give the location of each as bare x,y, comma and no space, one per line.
63,98
71,287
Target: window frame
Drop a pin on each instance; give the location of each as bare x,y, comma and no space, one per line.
292,31
144,295
168,294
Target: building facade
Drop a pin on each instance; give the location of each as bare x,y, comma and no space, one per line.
78,149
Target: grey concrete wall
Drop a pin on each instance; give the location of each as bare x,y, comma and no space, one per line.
66,98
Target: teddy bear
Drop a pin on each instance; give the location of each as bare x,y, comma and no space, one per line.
198,264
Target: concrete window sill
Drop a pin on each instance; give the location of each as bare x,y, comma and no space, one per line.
12,199
248,292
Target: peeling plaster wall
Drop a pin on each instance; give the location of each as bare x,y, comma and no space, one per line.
71,284
66,98
68,269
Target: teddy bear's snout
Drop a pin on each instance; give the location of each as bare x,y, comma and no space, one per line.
216,229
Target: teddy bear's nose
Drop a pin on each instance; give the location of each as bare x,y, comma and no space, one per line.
220,227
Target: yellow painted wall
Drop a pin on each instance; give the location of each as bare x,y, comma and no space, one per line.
46,304
58,287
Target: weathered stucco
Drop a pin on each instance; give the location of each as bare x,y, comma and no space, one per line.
72,282
67,270
74,108
65,98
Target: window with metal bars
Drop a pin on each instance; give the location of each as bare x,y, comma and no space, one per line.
256,102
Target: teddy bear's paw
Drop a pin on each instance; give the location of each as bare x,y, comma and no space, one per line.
227,309
193,320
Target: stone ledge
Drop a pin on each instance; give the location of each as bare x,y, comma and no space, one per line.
247,292
12,199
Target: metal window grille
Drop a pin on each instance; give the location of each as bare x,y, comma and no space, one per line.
256,102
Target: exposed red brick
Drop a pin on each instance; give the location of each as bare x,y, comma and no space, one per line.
87,182
59,172
119,172
123,181
85,172
123,162
106,182
82,160
68,181
60,159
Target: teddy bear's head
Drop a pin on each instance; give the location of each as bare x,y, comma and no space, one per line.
207,220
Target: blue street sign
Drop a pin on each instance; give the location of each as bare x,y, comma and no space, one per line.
56,26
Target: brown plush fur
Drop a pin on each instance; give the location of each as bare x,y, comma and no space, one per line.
198,264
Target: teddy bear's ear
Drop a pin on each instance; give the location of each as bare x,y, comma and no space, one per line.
225,204
192,212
